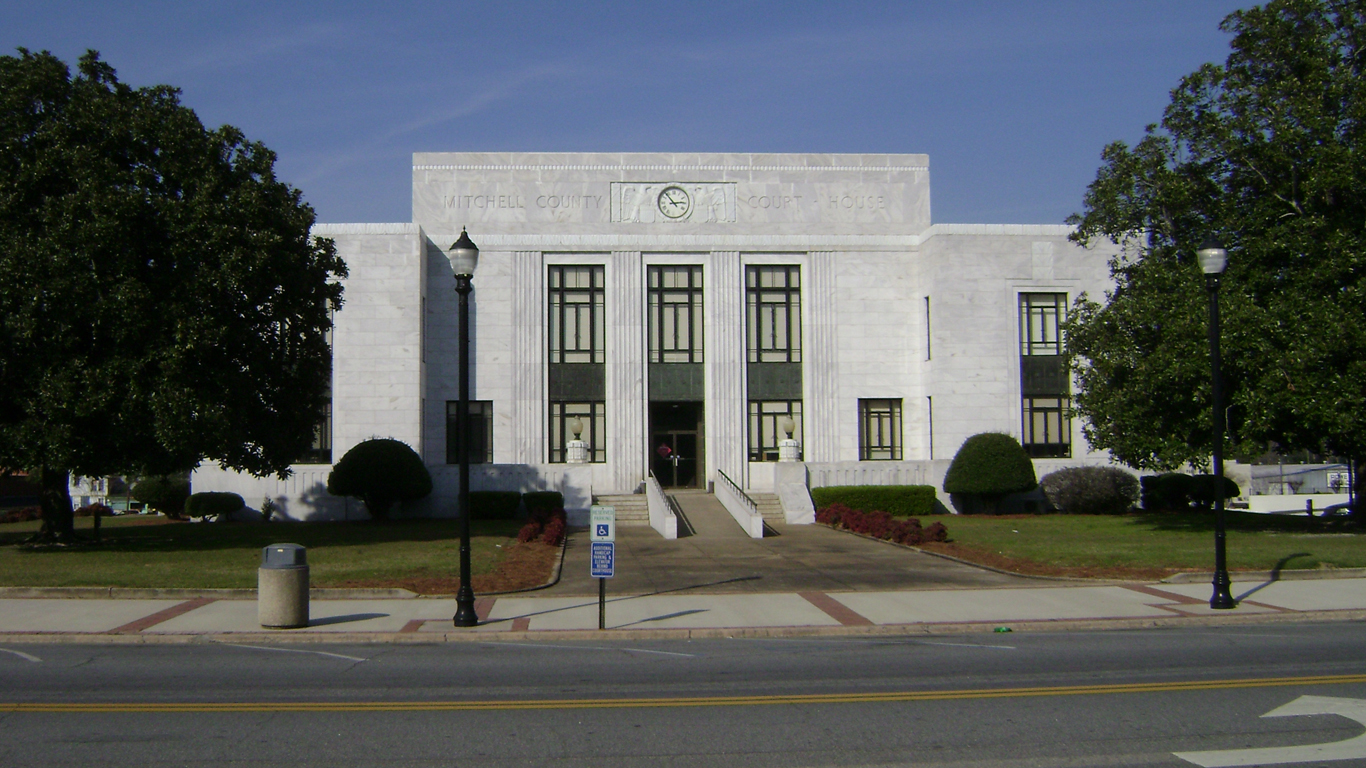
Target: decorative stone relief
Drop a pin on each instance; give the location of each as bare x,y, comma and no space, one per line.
663,202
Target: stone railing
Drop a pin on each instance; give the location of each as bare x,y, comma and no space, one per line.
662,517
740,506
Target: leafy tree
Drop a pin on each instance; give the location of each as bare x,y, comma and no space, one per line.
161,300
1266,154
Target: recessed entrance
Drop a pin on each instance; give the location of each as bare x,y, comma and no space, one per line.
676,444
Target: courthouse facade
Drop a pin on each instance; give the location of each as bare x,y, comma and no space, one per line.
683,311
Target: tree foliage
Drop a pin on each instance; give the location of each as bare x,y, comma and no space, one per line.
1266,154
161,299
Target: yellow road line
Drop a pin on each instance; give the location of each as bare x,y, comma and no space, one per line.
691,701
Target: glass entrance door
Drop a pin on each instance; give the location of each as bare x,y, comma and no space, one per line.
676,444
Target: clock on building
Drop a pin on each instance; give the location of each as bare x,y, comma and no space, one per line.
675,202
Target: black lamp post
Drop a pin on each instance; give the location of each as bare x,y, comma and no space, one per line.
464,258
1213,258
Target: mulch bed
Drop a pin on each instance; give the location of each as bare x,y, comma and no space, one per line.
526,566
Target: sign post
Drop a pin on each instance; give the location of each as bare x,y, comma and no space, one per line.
602,553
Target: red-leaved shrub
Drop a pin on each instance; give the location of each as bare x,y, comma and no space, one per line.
529,532
21,515
90,510
881,525
554,531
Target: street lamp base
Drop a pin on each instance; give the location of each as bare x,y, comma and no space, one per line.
1222,598
464,608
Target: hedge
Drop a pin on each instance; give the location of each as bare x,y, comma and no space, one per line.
897,500
494,505
881,525
213,504
543,501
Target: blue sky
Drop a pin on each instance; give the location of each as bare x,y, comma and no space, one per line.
1012,101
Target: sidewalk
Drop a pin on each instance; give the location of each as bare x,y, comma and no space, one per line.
540,616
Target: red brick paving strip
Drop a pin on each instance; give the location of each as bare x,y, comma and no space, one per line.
163,615
836,610
1165,595
413,625
483,606
521,625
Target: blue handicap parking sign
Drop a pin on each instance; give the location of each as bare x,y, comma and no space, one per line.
604,529
602,555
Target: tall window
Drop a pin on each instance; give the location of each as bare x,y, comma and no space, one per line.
675,296
773,294
481,432
1041,316
766,426
1047,427
594,432
879,430
1045,388
576,319
320,452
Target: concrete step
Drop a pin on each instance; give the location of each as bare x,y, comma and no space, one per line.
769,505
632,508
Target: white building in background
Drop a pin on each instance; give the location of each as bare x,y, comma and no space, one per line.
681,307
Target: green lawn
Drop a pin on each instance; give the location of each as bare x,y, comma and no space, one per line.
1170,541
145,551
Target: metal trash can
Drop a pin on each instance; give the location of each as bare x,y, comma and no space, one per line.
282,587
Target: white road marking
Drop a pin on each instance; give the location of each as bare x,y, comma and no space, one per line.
293,650
22,655
1351,749
594,648
967,645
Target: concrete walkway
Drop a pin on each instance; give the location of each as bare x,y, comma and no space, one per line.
721,559
675,615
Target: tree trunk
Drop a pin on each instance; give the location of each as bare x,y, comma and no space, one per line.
58,519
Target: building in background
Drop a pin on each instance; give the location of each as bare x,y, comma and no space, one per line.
682,311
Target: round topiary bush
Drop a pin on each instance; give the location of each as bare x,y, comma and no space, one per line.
380,472
987,467
213,504
1091,490
165,494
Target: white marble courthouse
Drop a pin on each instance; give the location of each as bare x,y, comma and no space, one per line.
680,309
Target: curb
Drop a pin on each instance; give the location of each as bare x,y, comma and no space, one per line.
739,633
1305,575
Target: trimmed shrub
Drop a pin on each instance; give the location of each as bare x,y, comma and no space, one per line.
165,494
554,531
897,500
213,504
530,532
494,505
380,472
1169,490
21,515
1202,490
881,525
1091,490
92,510
990,463
987,467
543,501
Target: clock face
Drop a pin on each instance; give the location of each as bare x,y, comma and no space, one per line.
674,202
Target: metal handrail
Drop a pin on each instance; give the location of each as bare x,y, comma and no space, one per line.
667,524
753,506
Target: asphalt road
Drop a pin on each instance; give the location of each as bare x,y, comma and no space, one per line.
1036,699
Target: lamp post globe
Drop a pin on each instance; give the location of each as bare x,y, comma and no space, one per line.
464,259
1213,260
